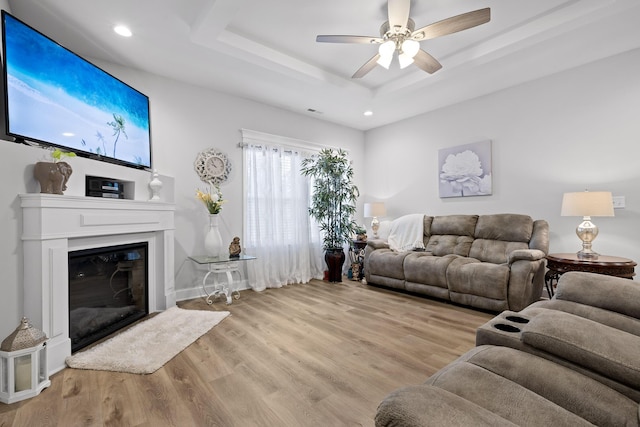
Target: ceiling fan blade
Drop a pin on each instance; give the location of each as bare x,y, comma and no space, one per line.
349,39
426,62
398,11
368,66
453,24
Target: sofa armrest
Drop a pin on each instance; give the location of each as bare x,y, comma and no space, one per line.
526,280
597,290
377,244
526,255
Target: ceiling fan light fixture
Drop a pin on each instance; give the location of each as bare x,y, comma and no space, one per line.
405,60
410,47
387,48
385,60
398,33
385,51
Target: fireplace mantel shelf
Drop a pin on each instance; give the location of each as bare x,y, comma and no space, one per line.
54,225
53,216
61,200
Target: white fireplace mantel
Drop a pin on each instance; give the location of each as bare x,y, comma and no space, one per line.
54,225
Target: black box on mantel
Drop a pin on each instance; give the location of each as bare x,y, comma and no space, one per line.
96,186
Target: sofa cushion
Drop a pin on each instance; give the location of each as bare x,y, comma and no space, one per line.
441,245
470,276
451,234
427,406
385,262
614,354
503,397
593,289
496,236
563,386
606,317
460,225
505,227
423,267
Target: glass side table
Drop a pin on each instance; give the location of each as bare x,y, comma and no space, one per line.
219,265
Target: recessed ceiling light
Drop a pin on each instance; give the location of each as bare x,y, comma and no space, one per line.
122,30
368,113
68,134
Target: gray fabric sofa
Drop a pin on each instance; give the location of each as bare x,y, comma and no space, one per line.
493,262
572,360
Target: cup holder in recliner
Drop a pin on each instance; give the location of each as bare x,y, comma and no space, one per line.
506,328
517,319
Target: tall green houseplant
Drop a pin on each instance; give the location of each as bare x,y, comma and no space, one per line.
333,204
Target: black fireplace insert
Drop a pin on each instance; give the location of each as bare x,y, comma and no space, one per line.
108,290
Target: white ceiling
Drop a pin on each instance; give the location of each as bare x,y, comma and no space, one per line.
265,50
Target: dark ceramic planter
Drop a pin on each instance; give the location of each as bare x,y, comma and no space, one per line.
335,259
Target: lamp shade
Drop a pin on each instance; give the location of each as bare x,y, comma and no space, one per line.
410,47
587,203
374,209
385,51
404,60
385,61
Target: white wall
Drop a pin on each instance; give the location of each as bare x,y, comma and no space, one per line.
567,132
185,120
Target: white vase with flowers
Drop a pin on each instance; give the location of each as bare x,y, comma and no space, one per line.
212,199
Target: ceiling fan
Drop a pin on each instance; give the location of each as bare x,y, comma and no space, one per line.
398,34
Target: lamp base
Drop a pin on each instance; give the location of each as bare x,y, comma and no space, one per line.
375,226
587,254
587,231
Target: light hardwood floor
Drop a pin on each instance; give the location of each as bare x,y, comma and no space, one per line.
317,354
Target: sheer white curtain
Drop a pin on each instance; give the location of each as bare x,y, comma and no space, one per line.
277,226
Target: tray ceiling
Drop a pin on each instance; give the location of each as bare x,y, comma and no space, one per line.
266,50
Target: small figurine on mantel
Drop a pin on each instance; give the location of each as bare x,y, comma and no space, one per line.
234,248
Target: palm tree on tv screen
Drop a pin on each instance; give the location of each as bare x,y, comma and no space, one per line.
118,125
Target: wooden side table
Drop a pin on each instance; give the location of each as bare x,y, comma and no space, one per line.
558,264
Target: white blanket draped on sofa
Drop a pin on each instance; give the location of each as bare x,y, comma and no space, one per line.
406,233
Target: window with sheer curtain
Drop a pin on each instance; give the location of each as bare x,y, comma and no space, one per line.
277,226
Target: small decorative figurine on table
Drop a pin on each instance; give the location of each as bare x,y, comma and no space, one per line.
234,248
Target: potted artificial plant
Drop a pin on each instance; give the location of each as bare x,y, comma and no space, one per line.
332,204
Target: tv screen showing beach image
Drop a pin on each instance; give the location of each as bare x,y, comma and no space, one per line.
55,96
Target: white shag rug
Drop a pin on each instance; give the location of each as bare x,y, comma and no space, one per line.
147,346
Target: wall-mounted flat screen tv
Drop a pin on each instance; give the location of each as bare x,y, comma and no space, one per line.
56,98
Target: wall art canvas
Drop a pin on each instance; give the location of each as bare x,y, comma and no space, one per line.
465,170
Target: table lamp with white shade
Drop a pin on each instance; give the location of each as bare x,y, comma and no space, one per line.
587,204
374,210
